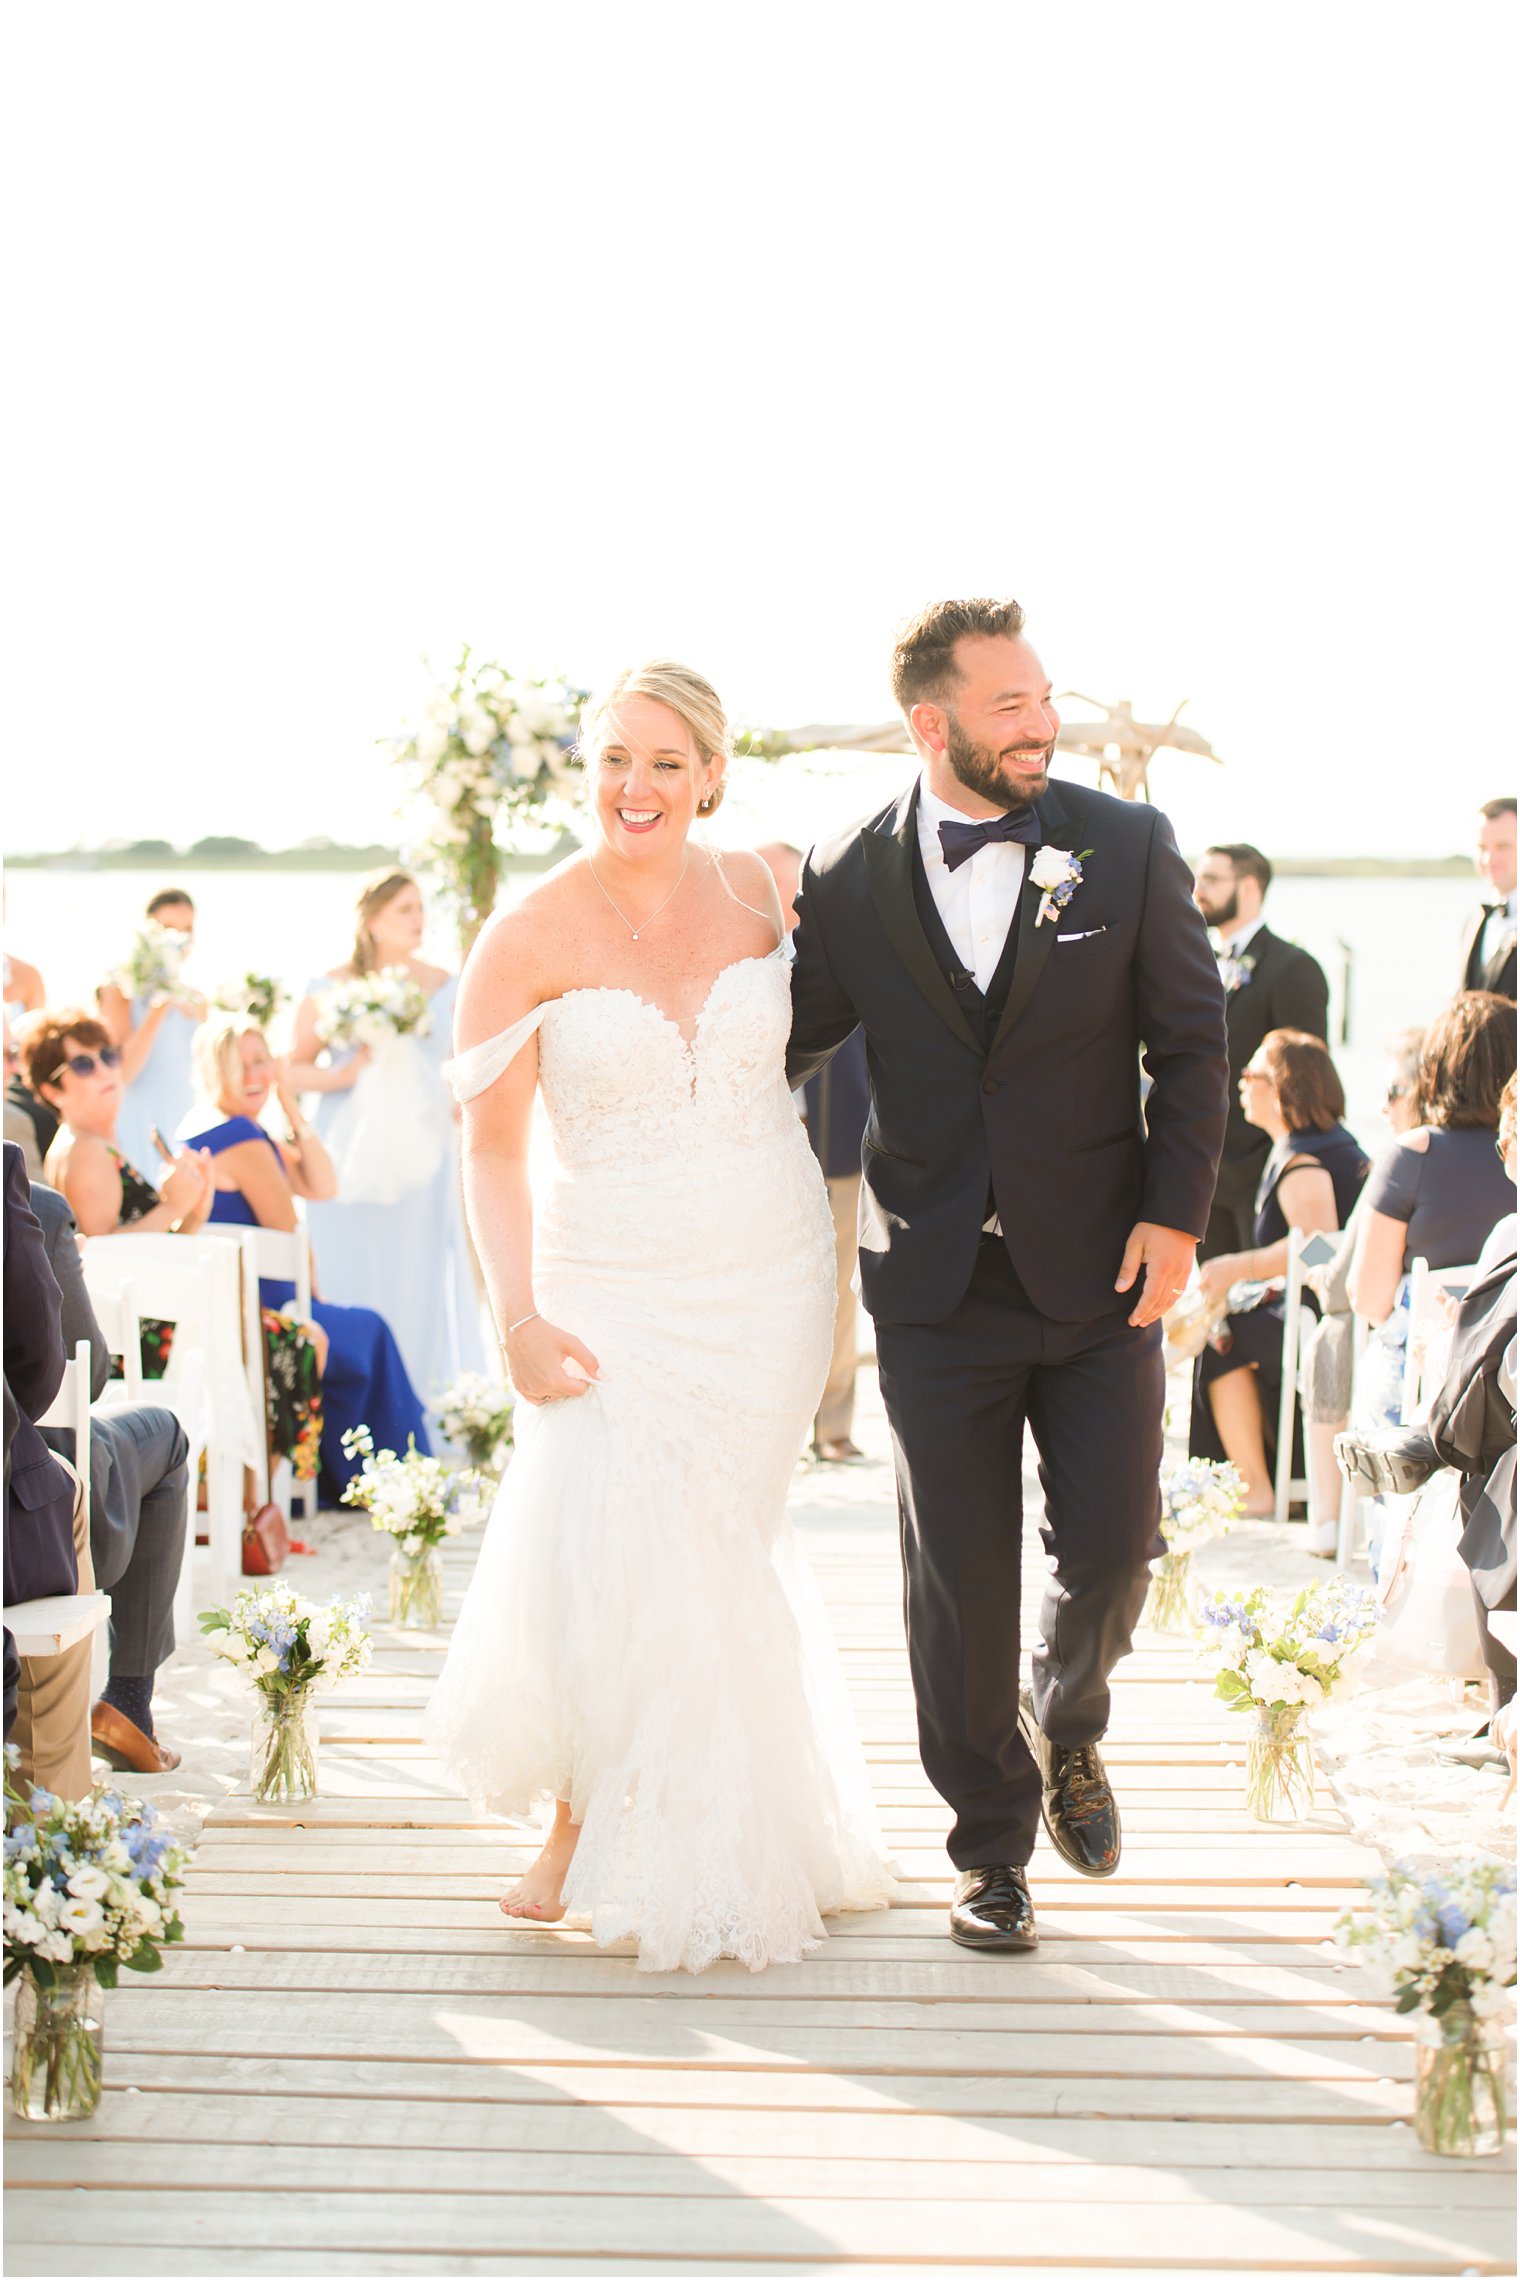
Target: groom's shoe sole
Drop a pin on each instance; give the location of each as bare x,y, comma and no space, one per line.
1040,1751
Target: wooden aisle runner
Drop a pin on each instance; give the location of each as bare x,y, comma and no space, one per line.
353,2067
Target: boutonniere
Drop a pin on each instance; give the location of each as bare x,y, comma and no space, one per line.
1058,873
1235,973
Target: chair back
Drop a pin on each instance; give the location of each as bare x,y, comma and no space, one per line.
1428,1342
114,1302
70,1410
1304,1251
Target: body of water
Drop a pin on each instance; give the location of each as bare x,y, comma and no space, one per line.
1402,936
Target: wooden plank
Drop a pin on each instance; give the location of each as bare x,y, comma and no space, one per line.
125,2263
468,2125
558,2030
939,1987
1349,2238
1075,2096
50,2164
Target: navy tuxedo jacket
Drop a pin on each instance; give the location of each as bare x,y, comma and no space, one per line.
1045,1118
40,1560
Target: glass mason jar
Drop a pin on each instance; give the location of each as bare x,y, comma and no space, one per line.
1460,2097
417,1589
1169,1602
56,2053
1279,1764
283,1760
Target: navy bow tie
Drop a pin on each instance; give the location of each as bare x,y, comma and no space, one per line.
960,841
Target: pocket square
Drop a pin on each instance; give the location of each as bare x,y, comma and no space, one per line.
1087,937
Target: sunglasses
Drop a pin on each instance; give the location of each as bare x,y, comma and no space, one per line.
85,1064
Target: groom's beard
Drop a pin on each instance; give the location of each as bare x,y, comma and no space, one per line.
976,766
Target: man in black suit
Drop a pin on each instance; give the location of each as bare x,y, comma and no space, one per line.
47,1538
139,1512
1269,984
1009,947
1488,942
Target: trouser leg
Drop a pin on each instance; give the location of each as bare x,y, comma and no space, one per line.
836,1411
140,1459
955,1397
1095,1412
1500,1662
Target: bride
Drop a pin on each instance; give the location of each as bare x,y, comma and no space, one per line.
641,1642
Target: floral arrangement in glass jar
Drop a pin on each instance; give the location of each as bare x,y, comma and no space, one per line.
1441,1945
289,1649
1279,1663
151,968
492,757
475,1414
89,1889
1198,1500
370,1009
418,1502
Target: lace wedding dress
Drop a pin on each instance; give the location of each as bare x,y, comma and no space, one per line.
641,1636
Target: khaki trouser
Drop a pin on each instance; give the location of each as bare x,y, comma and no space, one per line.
836,1411
52,1729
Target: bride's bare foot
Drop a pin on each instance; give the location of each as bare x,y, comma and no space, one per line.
536,1897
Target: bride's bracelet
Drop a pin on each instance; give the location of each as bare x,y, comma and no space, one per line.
511,1326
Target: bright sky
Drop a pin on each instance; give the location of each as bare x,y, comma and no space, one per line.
354,331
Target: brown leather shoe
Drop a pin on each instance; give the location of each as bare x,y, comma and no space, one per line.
842,1452
125,1746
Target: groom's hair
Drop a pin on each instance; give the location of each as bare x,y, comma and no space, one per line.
924,670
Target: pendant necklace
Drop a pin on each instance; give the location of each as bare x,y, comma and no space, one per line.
635,931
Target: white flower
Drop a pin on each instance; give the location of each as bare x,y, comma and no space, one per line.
85,1919
1475,1950
265,1661
89,1883
1052,867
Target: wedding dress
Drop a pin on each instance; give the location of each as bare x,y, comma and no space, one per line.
641,1636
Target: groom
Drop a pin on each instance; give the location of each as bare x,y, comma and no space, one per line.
1011,948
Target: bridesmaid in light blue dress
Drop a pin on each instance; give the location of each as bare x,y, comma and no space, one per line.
408,1259
156,1041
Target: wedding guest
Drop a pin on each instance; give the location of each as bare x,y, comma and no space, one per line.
1292,1093
1400,1098
1436,1193
20,1101
258,1178
47,1530
408,1259
1488,943
139,1482
153,1032
72,1065
1269,984
836,1104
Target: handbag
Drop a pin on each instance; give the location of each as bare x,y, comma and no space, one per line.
1430,1626
266,1541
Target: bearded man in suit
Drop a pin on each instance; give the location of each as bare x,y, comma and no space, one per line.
1269,984
1009,947
1488,943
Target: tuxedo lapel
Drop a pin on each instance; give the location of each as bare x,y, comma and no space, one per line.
1035,941
888,853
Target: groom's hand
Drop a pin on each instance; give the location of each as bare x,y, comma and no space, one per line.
1166,1255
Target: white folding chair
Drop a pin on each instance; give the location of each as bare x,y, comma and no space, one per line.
1349,1522
1304,1251
1428,1342
272,1254
176,1278
70,1410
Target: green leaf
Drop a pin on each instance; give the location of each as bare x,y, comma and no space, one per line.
145,1957
1409,2000
105,1970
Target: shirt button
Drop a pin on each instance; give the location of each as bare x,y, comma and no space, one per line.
991,1085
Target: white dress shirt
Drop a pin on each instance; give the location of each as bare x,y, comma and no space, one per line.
1498,929
978,900
1239,942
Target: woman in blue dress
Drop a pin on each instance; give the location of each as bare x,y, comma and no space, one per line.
364,1379
155,1036
407,1257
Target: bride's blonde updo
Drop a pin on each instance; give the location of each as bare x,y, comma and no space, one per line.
693,700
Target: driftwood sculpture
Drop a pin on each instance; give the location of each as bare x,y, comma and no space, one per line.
1124,747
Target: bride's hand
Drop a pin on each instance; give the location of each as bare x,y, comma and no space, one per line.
538,1355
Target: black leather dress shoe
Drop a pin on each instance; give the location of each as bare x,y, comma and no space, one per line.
992,1909
1080,1814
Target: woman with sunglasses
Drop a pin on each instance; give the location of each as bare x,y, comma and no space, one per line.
1289,1089
72,1065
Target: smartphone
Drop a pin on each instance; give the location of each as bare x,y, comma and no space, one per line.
160,1144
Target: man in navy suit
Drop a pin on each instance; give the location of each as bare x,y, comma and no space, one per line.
1011,948
1488,941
